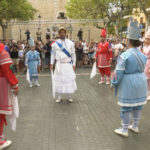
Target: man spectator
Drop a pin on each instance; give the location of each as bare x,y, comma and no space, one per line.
28,34
39,33
47,49
14,54
80,34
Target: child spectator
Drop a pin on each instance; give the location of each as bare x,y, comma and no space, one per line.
86,61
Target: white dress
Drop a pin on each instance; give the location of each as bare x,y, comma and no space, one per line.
64,75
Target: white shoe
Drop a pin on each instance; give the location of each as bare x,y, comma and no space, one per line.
5,145
107,82
70,100
58,100
135,130
101,82
30,86
37,85
148,98
118,131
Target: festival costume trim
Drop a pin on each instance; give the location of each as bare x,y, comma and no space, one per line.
64,75
146,51
130,83
32,61
104,55
8,104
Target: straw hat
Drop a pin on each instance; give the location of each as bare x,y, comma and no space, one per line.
62,28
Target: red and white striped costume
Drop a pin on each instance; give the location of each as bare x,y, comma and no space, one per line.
104,56
8,81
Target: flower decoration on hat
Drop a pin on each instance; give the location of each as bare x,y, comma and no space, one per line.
141,26
133,31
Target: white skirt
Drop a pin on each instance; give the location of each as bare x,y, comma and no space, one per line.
65,79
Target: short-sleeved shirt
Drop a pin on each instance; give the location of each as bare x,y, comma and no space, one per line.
14,53
118,46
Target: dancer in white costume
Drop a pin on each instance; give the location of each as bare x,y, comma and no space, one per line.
64,76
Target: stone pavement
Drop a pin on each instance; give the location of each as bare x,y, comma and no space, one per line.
86,124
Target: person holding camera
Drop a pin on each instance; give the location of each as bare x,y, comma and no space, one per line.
14,55
80,54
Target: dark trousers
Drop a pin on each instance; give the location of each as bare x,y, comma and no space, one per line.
80,38
39,38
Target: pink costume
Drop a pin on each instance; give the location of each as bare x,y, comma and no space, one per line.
146,51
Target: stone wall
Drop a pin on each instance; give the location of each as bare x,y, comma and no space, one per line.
49,10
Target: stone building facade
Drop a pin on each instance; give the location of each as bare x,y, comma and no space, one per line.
50,10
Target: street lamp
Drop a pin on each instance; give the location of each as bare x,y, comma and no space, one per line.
39,16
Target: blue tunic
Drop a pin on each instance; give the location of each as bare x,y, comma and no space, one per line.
129,79
32,60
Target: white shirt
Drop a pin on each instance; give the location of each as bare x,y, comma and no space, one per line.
20,54
84,45
48,33
54,33
142,39
113,46
23,46
139,48
118,46
59,55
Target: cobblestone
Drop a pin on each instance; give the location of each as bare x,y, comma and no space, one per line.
86,124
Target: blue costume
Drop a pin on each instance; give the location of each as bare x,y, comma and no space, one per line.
32,60
130,81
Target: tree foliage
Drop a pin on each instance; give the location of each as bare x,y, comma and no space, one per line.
99,9
142,6
16,9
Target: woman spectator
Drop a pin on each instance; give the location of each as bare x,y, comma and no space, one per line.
79,48
48,34
91,53
86,49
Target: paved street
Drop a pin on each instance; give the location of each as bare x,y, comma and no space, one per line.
86,124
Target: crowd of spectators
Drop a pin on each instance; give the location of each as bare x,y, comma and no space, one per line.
85,51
